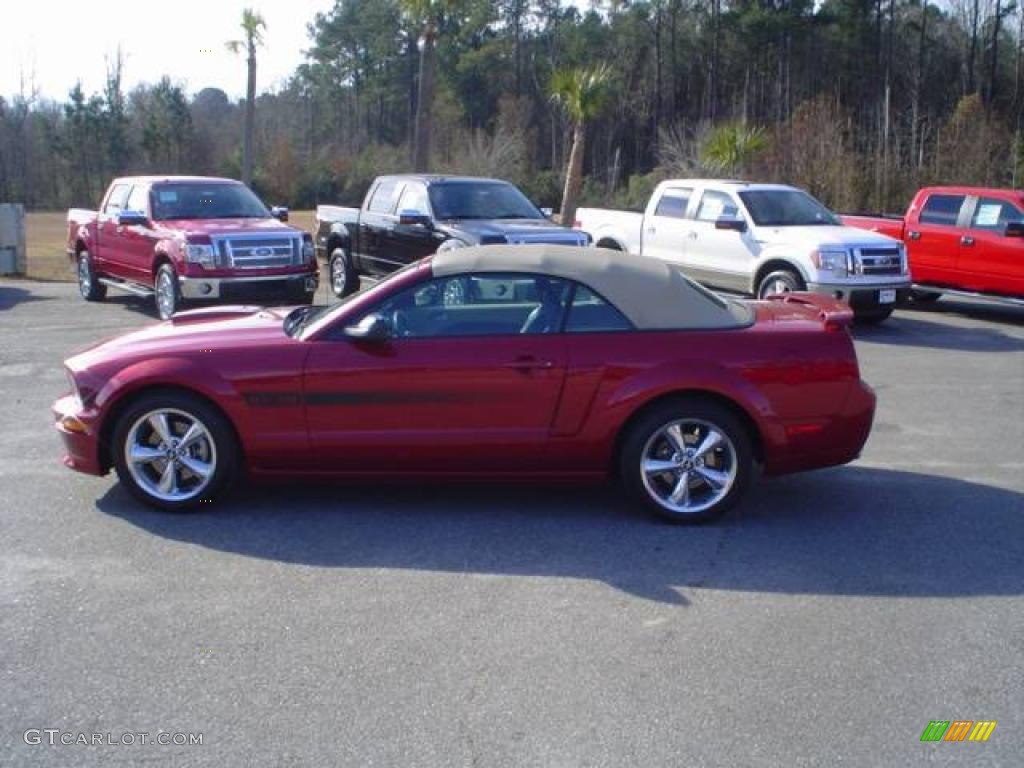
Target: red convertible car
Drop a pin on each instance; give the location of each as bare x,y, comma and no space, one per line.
555,362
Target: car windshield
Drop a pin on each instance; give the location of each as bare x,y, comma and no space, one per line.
786,208
197,200
480,200
302,317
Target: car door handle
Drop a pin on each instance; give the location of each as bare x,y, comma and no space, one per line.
914,235
526,364
651,230
691,235
966,240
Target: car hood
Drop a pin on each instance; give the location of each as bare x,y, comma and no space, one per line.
203,331
518,231
229,226
817,236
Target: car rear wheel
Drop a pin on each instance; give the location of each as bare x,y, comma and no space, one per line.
344,280
168,294
687,460
781,281
173,451
88,285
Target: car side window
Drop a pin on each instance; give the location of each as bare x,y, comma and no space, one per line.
481,304
414,198
995,214
943,210
116,200
715,205
590,313
383,197
138,200
673,203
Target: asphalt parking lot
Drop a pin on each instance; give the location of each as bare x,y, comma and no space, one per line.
825,622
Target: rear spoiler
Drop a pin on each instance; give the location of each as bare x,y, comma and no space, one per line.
833,313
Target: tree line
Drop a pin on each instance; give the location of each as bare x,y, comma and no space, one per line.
860,101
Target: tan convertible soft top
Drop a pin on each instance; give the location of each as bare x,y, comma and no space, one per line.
651,293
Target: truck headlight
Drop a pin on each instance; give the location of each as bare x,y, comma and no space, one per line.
200,254
308,252
904,261
836,261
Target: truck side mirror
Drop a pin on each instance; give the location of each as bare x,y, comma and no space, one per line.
372,328
279,212
1014,229
411,218
132,219
731,224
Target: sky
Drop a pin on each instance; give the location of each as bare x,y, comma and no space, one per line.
56,43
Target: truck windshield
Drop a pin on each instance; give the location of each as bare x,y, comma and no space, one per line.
786,208
197,200
480,200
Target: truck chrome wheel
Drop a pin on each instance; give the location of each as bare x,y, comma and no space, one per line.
344,279
688,466
167,296
339,275
782,281
170,454
84,275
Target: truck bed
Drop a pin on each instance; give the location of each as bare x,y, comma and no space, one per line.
890,224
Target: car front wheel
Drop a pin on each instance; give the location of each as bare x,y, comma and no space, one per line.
687,460
173,451
782,281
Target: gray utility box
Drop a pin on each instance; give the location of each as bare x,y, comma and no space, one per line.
13,257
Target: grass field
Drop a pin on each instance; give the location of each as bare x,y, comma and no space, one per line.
45,235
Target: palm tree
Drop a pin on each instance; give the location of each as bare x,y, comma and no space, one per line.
253,27
582,93
730,148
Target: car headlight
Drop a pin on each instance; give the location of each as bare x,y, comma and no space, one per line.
836,261
200,254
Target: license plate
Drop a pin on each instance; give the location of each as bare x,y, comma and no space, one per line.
887,296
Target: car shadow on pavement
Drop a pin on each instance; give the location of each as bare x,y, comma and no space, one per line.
1007,314
913,331
12,295
846,531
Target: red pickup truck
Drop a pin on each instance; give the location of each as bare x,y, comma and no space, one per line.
189,238
960,240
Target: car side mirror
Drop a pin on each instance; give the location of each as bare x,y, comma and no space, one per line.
372,328
132,219
1014,229
731,224
279,212
548,212
410,218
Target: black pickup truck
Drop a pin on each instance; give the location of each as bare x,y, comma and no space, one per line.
405,218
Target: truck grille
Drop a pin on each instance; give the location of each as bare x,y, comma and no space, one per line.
260,252
879,261
548,239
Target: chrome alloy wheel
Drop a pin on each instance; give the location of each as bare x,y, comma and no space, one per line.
170,454
165,298
688,466
339,275
778,285
84,275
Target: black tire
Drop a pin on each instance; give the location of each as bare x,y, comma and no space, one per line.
226,452
342,275
307,297
170,302
88,284
733,458
925,297
780,281
872,316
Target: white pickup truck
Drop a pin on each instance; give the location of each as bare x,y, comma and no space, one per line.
758,239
